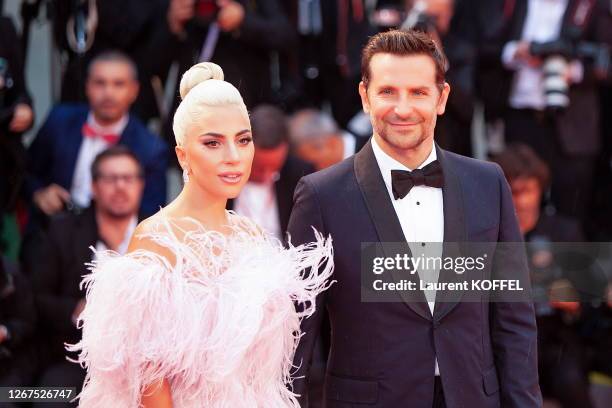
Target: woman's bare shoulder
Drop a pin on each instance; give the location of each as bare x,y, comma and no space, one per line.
143,238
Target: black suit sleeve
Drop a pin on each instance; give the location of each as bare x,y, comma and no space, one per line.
55,310
22,321
305,215
513,325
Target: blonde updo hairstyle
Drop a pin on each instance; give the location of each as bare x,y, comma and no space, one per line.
202,86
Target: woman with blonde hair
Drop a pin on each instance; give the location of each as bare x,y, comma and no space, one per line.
200,312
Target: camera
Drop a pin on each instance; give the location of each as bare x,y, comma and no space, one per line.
556,55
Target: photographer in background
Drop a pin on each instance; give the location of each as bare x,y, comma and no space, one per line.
331,35
84,28
546,86
436,17
17,324
16,117
239,35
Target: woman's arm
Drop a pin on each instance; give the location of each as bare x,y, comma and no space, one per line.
157,396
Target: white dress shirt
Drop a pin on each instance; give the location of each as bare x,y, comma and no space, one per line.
349,144
542,24
123,246
257,201
80,190
421,216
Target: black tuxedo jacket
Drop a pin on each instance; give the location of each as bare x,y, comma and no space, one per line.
579,124
382,354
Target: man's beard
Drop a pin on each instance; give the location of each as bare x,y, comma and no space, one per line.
406,140
119,213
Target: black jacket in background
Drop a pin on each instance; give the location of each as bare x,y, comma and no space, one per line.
18,314
129,26
12,155
56,276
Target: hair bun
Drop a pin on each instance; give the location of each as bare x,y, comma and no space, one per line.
197,74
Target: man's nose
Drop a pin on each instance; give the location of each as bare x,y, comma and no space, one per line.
404,107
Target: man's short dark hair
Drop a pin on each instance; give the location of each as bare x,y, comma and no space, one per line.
113,56
403,43
269,125
520,161
111,152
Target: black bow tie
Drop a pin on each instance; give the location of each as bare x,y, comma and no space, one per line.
402,181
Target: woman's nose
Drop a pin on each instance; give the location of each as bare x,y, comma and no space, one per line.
231,153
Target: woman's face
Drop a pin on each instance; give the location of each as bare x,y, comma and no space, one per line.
218,151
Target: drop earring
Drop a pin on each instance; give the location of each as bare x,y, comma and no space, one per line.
185,176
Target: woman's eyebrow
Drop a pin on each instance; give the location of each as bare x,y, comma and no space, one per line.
213,134
242,132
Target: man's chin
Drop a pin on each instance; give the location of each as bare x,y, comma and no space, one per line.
404,142
120,212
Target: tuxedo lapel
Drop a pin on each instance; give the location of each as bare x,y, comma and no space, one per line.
383,216
454,233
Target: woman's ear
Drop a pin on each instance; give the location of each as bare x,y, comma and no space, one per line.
181,156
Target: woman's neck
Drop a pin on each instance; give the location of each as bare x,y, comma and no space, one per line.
194,203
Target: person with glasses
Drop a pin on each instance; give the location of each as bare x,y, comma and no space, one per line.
117,187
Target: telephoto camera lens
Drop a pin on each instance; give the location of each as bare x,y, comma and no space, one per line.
556,87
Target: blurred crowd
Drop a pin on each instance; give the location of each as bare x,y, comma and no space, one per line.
533,75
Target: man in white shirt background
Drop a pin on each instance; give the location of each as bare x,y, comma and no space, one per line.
268,196
557,115
71,137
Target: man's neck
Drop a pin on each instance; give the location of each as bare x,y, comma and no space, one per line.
411,158
112,229
104,123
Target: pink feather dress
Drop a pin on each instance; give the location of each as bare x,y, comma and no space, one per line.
220,324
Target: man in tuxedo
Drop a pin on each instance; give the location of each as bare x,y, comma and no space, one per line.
65,250
268,196
413,352
64,149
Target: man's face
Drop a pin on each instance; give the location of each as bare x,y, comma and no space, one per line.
321,152
111,89
118,188
268,162
403,100
526,196
442,12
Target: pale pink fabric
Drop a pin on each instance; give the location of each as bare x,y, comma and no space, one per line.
220,325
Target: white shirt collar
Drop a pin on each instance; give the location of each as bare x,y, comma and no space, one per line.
116,128
387,163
